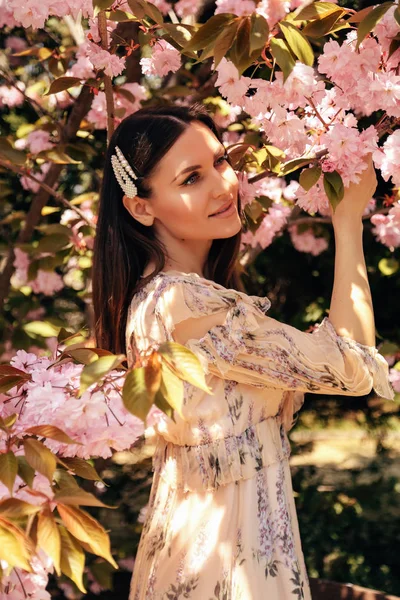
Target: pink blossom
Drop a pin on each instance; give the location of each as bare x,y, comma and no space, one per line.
30,13
247,190
39,140
46,282
10,96
347,148
21,264
102,60
301,83
14,43
269,227
386,29
97,419
386,89
93,32
83,69
237,7
6,15
387,227
387,158
185,8
285,130
315,200
98,112
307,241
230,84
394,378
164,58
31,185
273,10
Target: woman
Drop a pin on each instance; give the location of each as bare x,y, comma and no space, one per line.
221,522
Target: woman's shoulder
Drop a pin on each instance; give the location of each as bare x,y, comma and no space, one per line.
174,295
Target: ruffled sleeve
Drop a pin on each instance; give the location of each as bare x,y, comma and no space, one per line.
235,339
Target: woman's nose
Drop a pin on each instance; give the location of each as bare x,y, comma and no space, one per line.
220,184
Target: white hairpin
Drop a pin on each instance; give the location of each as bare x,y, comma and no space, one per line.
124,173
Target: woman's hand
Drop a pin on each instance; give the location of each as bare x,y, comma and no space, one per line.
357,196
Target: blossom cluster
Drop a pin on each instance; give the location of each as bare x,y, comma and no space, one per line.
97,420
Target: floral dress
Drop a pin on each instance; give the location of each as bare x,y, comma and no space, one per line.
221,522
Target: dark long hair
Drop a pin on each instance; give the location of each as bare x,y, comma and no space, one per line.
123,246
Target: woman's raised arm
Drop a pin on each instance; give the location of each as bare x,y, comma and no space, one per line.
351,311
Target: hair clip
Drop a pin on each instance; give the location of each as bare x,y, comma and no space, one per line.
124,173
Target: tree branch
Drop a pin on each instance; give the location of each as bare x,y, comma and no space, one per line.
60,199
252,253
108,88
79,110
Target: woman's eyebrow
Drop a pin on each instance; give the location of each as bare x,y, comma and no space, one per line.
219,150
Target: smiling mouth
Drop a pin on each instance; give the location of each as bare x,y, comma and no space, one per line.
223,209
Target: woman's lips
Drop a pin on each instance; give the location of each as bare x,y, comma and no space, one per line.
229,209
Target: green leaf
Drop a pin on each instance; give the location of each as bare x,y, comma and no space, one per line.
334,188
119,16
388,266
75,496
61,84
52,432
25,470
394,45
72,560
240,51
17,157
154,13
40,328
87,530
282,55
99,5
63,479
309,177
172,389
138,9
40,458
369,22
224,41
294,164
82,468
49,539
209,32
163,405
7,423
14,508
13,546
259,32
322,27
316,10
53,243
184,363
8,470
298,43
58,156
181,33
135,393
396,14
7,382
95,371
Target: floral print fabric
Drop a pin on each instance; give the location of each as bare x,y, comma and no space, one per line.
221,522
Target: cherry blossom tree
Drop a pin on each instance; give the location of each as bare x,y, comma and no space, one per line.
303,92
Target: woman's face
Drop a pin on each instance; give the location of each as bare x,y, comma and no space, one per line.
191,182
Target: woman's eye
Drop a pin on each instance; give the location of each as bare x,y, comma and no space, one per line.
190,180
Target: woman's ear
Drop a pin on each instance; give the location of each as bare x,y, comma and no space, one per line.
140,209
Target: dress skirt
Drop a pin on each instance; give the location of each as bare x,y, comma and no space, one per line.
238,539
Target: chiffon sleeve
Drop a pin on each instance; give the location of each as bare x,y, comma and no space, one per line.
234,338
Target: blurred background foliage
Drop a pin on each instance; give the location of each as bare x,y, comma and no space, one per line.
345,450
